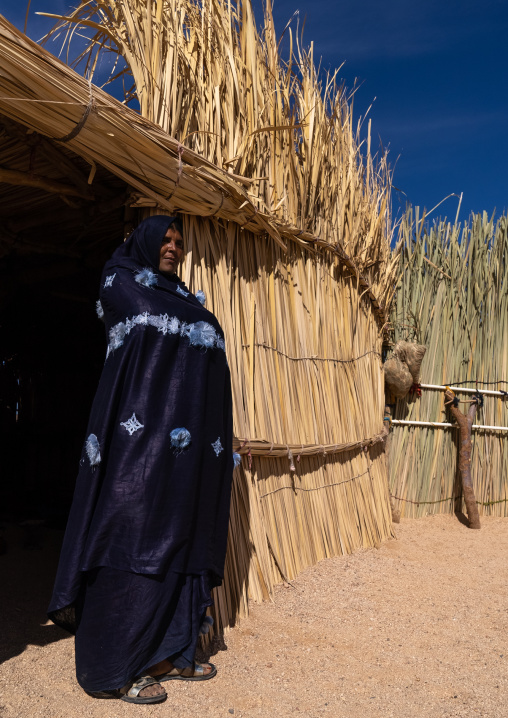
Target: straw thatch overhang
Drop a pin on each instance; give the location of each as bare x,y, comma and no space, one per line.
80,128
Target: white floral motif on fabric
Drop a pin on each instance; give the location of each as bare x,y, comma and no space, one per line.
182,291
199,334
132,424
146,277
109,280
93,451
217,446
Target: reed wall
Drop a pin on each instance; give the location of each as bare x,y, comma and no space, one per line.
453,298
304,349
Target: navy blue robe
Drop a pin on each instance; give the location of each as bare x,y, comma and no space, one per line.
152,496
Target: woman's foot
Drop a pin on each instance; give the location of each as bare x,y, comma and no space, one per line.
164,670
154,690
144,689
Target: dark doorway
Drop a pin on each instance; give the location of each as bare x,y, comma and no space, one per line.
55,235
52,350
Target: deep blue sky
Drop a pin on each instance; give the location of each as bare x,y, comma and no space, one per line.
435,73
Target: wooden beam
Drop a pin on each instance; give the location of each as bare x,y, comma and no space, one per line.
32,247
43,218
25,179
84,215
60,161
52,154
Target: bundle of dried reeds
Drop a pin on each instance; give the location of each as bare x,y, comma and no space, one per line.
44,94
454,299
203,73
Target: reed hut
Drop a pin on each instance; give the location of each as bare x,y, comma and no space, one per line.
287,224
453,298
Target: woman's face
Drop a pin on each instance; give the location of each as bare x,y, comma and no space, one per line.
171,251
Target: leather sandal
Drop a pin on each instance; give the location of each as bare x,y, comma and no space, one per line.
130,692
196,672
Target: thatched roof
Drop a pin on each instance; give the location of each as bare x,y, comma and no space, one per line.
75,119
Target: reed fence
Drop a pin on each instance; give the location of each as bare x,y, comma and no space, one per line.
453,298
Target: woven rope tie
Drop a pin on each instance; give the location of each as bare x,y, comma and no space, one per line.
249,218
77,129
291,462
180,151
216,211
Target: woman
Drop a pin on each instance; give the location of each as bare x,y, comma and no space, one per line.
146,536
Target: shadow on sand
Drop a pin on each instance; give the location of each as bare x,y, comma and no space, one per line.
25,589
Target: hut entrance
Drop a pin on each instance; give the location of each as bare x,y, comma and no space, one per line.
52,352
55,234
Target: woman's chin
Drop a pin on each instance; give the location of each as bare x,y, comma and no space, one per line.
167,268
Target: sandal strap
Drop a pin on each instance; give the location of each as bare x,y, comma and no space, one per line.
196,669
134,689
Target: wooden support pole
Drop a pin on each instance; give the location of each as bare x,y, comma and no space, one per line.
465,422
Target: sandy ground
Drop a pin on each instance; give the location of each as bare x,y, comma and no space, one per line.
415,628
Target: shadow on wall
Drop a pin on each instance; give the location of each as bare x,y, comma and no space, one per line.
28,566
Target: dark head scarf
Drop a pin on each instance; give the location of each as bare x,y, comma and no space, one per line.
142,248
